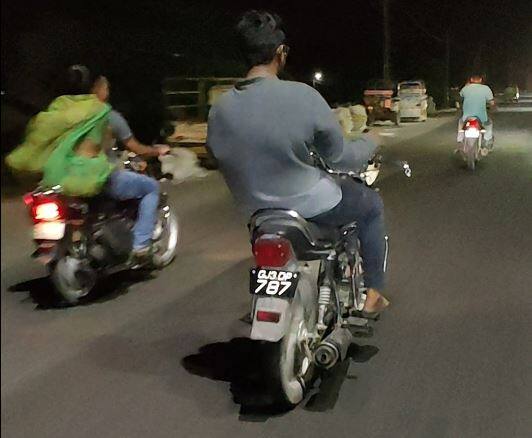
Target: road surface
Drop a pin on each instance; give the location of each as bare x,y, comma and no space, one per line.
167,356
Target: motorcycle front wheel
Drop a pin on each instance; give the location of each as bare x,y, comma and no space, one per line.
166,238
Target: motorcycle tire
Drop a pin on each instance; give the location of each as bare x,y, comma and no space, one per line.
471,152
71,279
291,372
166,244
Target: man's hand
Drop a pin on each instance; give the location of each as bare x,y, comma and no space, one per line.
146,151
162,149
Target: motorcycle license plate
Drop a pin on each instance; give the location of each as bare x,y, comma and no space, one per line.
49,230
472,133
273,283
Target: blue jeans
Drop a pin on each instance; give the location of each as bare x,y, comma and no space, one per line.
364,205
124,185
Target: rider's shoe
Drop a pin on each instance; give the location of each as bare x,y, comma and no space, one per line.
375,302
141,256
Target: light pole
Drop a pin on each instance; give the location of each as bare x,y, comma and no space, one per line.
317,78
386,44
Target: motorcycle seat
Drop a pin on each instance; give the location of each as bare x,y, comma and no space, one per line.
103,203
309,240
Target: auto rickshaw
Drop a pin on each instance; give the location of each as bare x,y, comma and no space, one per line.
380,102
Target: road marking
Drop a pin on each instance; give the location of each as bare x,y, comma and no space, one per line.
520,109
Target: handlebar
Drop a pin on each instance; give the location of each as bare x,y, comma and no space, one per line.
376,161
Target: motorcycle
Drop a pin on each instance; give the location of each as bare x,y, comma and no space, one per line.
472,137
308,292
81,240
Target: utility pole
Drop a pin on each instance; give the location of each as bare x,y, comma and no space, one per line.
447,67
386,51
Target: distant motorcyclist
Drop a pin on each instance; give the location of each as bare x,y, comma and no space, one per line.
511,94
476,97
261,131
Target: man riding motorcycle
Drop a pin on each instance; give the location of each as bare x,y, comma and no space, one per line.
262,132
120,127
475,97
68,143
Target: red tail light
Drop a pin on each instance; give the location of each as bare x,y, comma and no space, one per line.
472,123
44,208
273,252
48,211
265,316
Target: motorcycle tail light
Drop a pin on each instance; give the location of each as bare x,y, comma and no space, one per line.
48,211
472,123
272,252
266,316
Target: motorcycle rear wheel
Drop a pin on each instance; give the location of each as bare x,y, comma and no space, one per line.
471,152
292,370
71,279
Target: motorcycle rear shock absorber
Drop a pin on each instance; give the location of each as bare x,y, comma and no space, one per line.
325,290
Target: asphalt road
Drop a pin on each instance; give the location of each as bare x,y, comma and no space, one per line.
167,356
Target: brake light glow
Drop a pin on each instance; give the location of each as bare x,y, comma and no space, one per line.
266,316
272,252
473,124
28,199
49,211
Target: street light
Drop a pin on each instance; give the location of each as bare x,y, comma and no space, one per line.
318,77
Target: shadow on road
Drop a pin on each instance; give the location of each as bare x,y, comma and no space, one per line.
41,290
239,362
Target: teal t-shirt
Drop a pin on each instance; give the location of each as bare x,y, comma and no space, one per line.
476,96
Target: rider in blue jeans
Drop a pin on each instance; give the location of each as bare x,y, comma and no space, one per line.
123,184
261,133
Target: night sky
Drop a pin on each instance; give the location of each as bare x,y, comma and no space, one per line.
137,43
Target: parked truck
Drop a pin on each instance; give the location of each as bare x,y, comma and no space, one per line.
188,101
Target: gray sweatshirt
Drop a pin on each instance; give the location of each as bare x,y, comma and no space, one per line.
261,133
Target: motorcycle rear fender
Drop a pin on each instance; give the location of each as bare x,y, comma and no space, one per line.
268,331
46,252
306,296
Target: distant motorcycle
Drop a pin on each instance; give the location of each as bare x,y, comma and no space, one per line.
308,292
472,136
511,94
81,240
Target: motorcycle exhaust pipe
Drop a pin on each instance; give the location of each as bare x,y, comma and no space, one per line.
333,348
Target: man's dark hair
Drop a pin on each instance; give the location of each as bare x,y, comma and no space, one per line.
259,35
76,79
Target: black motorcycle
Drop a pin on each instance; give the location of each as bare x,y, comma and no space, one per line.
81,240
